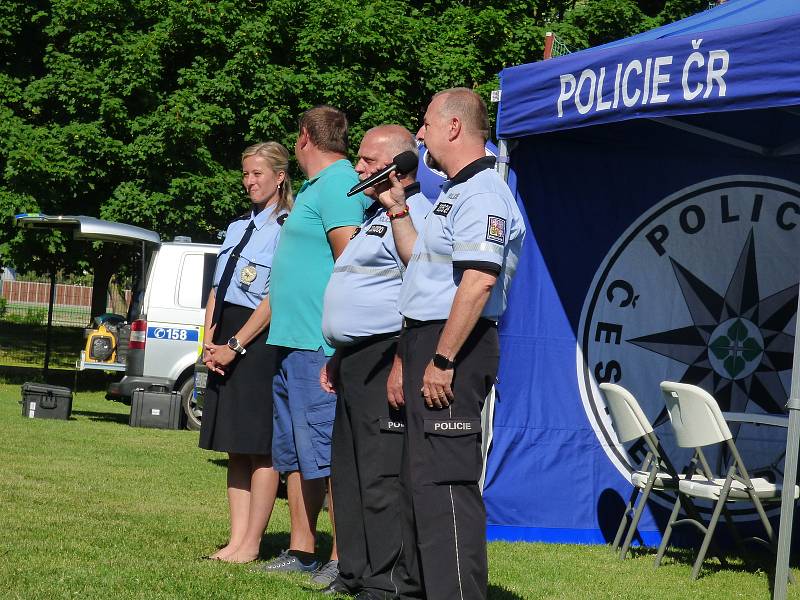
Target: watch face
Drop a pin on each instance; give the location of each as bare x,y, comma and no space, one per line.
233,342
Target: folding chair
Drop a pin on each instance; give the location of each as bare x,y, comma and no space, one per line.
698,422
656,471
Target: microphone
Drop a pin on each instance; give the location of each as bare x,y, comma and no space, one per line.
405,162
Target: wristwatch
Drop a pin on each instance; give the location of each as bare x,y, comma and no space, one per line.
442,362
234,345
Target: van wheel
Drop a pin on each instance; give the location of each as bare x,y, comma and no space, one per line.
193,412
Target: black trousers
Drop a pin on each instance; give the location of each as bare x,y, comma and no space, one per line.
444,524
366,456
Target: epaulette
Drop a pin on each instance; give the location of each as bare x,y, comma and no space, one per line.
282,219
243,216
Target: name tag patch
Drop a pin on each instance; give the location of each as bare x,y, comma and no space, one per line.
496,230
442,209
379,230
452,427
392,426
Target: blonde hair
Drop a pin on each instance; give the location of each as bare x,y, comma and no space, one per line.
277,157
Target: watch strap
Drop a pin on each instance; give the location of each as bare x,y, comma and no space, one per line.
442,362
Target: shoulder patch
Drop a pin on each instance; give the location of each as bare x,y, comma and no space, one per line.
496,230
355,233
379,230
282,219
442,209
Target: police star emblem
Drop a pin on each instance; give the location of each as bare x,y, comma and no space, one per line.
248,275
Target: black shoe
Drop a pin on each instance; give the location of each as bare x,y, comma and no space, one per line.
336,587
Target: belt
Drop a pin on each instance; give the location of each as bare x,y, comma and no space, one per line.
409,323
360,345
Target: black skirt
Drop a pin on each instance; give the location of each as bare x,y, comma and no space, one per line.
237,413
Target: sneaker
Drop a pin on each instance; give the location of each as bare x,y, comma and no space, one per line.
286,562
326,574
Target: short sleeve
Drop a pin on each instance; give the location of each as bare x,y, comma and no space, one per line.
480,232
336,209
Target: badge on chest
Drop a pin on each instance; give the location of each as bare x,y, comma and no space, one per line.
442,209
379,230
248,274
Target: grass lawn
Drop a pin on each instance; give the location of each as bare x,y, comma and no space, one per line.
92,508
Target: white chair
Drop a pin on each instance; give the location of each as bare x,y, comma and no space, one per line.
698,422
656,471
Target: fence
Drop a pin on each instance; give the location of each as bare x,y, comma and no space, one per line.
27,302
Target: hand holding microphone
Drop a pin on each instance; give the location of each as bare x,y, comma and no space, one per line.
403,163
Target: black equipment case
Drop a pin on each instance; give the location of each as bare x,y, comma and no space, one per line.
42,401
156,407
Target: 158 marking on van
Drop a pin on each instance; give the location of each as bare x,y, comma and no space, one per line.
173,334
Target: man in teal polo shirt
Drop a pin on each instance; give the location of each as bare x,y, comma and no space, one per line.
315,234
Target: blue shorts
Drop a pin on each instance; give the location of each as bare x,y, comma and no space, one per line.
303,414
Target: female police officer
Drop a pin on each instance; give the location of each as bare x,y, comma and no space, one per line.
237,416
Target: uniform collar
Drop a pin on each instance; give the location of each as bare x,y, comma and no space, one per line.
263,217
472,169
413,188
410,190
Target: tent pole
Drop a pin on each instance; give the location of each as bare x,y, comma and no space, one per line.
502,162
789,474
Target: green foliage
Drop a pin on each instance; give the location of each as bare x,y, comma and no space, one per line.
603,21
137,111
3,307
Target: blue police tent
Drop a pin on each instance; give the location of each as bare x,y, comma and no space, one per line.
661,182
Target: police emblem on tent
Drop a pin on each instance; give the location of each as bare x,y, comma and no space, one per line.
702,289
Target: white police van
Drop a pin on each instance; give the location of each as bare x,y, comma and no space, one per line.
167,327
167,309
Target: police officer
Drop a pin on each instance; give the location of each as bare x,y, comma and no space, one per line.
453,293
237,415
360,319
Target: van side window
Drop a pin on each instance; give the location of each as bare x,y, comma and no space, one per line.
190,287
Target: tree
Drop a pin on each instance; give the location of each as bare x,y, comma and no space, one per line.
137,111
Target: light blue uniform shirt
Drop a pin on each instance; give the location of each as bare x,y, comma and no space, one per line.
361,297
475,223
250,281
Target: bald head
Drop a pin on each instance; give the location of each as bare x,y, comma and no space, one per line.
395,138
380,145
468,107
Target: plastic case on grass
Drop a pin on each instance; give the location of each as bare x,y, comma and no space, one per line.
156,407
42,401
